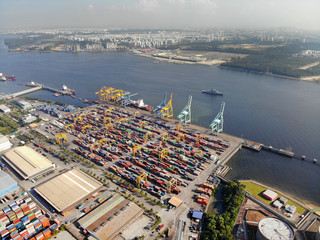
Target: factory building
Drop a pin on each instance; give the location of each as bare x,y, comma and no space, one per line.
273,228
4,143
23,104
66,191
4,108
110,218
27,162
7,184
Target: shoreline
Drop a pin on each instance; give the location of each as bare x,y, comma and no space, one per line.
308,79
304,203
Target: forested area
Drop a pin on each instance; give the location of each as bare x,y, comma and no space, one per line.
219,227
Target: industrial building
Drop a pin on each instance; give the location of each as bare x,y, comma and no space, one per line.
110,218
65,191
27,162
23,104
4,108
270,195
273,228
4,143
7,184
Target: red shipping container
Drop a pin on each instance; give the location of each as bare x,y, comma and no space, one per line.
39,236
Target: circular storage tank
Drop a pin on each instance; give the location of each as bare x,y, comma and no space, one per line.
274,229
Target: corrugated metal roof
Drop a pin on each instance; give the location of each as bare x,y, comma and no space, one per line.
7,184
26,161
67,189
101,210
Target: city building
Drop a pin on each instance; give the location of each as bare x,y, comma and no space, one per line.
4,108
110,218
64,192
27,162
7,184
4,143
23,104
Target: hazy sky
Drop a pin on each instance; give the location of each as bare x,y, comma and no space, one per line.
23,14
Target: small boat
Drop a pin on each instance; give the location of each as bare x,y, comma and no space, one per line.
212,92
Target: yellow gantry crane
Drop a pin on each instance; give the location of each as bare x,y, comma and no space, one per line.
180,137
146,136
61,138
167,111
143,177
178,127
77,118
69,126
136,114
164,137
135,150
143,123
172,183
107,119
85,127
163,153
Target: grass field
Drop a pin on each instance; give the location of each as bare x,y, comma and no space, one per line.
257,190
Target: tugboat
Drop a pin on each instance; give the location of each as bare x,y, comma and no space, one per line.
212,92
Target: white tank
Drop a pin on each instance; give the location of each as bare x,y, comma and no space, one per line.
274,229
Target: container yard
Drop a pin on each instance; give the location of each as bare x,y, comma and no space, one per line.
150,153
23,219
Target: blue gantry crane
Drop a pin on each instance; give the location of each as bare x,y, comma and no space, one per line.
185,115
158,109
126,99
217,123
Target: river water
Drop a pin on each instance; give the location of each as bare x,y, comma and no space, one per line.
270,110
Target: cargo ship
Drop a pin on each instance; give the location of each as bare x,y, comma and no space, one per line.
212,92
140,104
7,77
66,91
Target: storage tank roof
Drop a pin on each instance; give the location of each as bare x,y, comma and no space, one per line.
275,229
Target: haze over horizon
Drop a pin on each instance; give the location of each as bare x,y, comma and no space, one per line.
35,14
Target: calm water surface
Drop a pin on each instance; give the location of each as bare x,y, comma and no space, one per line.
274,111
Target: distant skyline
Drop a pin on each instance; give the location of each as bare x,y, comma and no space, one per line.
41,14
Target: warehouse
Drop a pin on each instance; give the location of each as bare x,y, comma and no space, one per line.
67,190
27,162
4,143
23,104
110,218
270,195
7,184
4,108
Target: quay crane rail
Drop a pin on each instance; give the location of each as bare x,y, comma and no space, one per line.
217,123
185,115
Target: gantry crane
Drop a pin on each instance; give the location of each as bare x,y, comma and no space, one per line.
144,177
163,153
135,150
185,115
146,136
172,183
217,123
161,105
167,111
61,138
126,99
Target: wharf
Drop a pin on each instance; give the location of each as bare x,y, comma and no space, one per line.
252,145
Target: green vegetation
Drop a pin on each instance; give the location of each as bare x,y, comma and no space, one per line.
278,58
257,190
7,125
220,226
